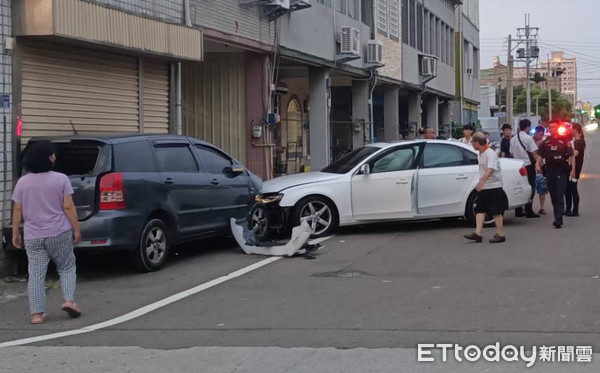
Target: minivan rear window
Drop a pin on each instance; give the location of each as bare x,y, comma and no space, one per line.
77,158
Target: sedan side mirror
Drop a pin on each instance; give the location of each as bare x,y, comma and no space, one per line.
365,169
237,169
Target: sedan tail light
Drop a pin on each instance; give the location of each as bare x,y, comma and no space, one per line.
523,171
112,196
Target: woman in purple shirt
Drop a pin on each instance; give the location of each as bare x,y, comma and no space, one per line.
43,201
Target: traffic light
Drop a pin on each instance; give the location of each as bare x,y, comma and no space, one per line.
597,111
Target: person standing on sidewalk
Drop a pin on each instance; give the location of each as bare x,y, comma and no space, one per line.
491,196
524,148
557,153
43,201
505,142
468,135
541,185
572,196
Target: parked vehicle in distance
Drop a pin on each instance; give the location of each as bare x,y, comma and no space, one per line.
146,193
407,180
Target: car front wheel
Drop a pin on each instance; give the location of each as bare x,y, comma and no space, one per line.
319,213
153,248
258,222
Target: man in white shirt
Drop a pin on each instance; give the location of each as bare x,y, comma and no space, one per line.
468,135
523,147
491,199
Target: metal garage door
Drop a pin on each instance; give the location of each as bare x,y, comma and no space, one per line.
96,91
155,83
214,106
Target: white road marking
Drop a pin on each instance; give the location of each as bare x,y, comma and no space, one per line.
153,306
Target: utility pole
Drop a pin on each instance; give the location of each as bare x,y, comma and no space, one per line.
528,36
549,91
509,84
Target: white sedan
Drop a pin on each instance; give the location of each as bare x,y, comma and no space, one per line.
408,180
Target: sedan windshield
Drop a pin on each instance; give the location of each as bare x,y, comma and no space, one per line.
350,160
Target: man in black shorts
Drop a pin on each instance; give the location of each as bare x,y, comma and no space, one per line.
491,200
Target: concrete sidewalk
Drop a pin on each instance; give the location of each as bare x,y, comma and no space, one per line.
254,360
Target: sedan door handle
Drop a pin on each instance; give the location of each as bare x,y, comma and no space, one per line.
461,177
169,181
214,182
402,181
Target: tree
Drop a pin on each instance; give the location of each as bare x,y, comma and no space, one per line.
561,108
538,78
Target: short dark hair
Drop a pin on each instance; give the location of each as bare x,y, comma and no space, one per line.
37,157
506,126
524,124
468,127
540,129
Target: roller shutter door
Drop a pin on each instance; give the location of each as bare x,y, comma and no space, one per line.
155,83
99,92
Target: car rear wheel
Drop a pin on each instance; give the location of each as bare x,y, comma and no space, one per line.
153,249
470,212
319,213
259,222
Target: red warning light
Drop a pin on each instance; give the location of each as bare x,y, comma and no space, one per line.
19,126
562,130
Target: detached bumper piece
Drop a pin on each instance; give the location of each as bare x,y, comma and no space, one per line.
297,245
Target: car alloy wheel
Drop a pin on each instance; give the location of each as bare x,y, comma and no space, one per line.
156,245
259,222
153,248
318,215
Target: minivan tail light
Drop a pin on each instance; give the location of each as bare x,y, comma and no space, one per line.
523,171
112,196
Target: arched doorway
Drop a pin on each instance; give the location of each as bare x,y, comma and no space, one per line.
294,136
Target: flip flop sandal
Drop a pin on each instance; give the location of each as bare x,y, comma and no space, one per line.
72,312
38,319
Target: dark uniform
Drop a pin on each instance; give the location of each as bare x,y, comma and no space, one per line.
556,152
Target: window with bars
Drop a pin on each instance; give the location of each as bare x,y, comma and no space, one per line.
443,43
476,63
394,25
348,7
405,25
367,12
432,38
420,27
452,48
382,22
353,6
412,14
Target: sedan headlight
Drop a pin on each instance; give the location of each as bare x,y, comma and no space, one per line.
268,198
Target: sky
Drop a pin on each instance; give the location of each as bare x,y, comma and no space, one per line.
572,26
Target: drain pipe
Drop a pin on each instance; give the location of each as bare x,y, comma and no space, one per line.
178,120
187,16
374,77
187,20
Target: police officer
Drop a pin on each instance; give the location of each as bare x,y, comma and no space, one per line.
557,153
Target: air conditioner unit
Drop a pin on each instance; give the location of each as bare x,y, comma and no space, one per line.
350,41
374,51
428,66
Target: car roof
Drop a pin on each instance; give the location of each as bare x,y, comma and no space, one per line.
384,145
112,138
